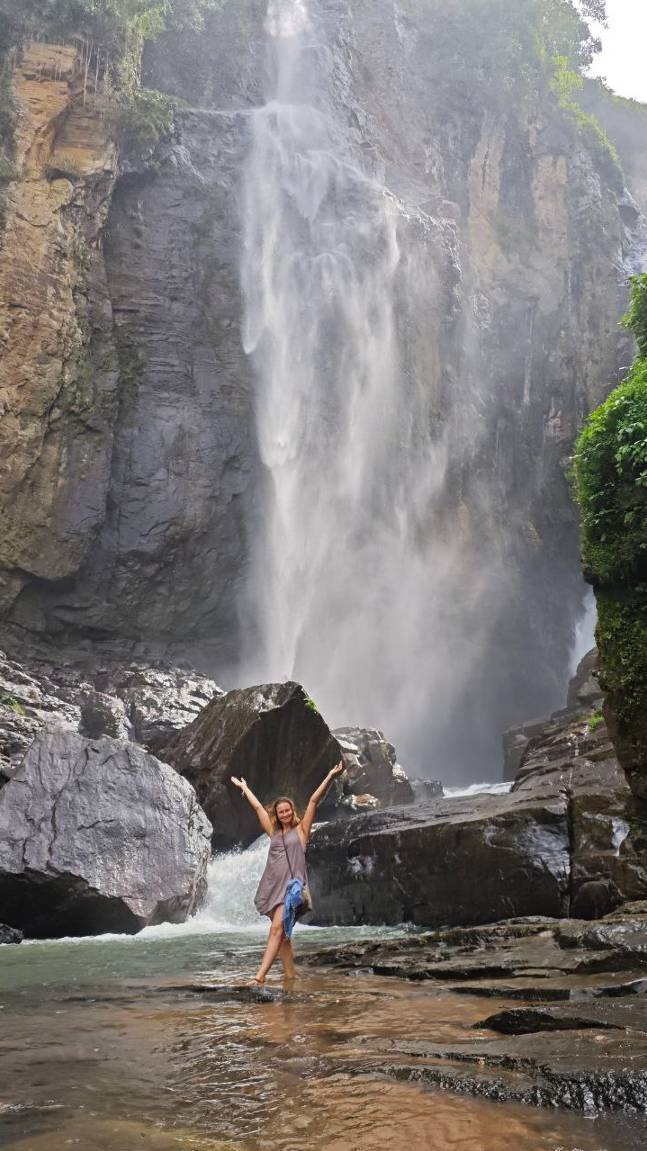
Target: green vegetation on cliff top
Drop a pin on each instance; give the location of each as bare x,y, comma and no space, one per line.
115,32
490,50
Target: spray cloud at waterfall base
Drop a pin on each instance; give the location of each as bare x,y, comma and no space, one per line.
381,575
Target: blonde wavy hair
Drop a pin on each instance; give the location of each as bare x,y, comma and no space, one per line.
271,811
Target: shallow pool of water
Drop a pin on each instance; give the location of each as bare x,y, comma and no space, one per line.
111,1044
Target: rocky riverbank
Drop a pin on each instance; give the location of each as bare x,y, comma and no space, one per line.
568,839
576,1036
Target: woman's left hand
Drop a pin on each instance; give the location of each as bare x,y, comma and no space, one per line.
337,769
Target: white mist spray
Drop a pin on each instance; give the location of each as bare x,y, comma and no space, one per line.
354,588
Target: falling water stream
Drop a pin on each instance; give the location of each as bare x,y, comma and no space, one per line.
117,1044
355,580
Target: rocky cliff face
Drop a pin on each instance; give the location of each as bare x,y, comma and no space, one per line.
133,477
58,382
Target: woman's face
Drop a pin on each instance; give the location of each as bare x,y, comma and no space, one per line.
285,814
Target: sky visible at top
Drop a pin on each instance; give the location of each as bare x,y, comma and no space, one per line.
623,60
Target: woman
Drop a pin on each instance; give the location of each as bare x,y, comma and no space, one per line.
286,861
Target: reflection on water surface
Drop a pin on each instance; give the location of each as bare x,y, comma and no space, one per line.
107,1047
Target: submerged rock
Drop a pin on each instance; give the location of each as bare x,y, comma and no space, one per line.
97,835
272,735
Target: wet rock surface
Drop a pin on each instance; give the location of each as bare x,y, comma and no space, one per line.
129,700
419,865
584,700
569,839
578,1041
98,836
9,934
372,767
272,735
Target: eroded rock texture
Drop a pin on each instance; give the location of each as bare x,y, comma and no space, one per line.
131,478
98,836
568,840
372,768
58,378
139,702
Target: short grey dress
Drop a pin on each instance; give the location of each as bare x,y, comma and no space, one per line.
275,878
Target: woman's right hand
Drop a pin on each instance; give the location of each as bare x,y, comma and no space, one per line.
241,783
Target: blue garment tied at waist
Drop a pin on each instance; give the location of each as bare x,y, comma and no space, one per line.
293,906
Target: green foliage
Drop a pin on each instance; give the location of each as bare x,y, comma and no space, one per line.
13,703
595,721
144,117
636,318
494,47
611,486
564,84
311,705
611,470
117,30
622,640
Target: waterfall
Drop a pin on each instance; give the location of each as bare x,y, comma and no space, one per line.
232,881
353,591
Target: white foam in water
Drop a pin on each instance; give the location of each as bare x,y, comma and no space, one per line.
229,907
233,878
478,789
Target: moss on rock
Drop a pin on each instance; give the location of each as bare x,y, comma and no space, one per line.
611,486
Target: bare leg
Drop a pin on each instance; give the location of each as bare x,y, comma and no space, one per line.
273,946
287,958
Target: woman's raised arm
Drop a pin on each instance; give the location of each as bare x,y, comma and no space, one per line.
263,817
305,826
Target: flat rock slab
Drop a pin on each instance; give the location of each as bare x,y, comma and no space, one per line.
577,1039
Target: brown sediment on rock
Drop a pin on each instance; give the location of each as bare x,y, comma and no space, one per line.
55,435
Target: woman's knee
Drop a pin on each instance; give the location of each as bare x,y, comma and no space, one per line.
276,931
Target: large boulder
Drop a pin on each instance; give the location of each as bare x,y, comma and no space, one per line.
272,735
98,836
453,861
569,839
372,767
574,756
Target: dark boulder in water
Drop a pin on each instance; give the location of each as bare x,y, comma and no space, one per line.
568,840
98,835
10,934
463,861
272,735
